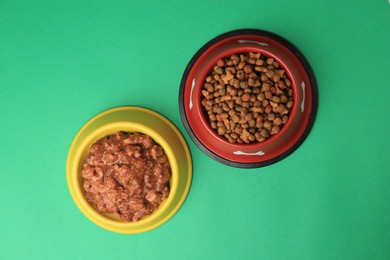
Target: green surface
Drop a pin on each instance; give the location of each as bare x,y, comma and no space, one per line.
62,62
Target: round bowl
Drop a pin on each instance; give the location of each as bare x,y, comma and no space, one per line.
131,119
302,114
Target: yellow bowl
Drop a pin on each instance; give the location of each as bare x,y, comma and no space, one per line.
131,119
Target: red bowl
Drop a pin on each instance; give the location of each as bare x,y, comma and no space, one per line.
302,115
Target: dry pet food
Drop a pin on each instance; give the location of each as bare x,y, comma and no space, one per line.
126,174
247,98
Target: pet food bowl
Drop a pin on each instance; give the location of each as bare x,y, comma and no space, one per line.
301,117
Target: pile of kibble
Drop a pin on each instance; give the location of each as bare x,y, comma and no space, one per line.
247,97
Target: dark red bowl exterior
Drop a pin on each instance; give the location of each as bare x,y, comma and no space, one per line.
292,133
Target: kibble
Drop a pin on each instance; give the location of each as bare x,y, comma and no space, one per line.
247,97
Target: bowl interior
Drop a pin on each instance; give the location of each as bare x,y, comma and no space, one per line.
131,119
239,49
111,128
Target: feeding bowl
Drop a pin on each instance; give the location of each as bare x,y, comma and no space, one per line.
131,119
301,117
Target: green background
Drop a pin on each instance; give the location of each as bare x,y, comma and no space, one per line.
62,62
